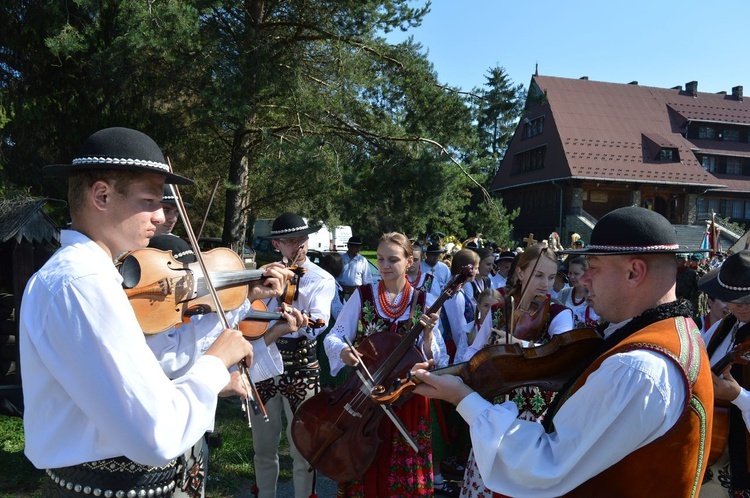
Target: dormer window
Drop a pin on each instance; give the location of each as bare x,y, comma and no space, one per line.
669,155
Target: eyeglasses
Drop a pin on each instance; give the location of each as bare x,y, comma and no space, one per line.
298,241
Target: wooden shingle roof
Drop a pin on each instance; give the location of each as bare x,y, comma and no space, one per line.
24,218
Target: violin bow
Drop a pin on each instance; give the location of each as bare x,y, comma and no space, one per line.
208,208
253,401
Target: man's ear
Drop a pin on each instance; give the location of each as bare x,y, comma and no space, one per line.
637,270
99,193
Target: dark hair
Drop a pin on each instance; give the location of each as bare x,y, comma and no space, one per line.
580,260
332,263
484,252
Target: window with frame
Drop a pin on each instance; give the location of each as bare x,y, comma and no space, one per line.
730,135
734,166
529,160
709,163
533,127
669,155
706,132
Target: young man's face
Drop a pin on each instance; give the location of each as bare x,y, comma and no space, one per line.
432,258
131,218
170,219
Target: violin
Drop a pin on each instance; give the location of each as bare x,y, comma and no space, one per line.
528,323
498,369
720,431
163,290
255,324
336,431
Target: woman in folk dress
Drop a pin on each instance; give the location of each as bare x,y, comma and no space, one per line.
391,306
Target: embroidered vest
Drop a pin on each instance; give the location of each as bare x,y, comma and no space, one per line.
672,465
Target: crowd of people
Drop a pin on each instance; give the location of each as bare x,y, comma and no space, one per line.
113,409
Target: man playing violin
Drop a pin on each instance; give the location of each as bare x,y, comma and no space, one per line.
178,348
728,475
300,380
632,421
101,415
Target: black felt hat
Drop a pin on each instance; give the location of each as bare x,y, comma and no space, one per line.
181,251
354,241
290,225
506,256
118,148
731,281
434,249
631,230
169,197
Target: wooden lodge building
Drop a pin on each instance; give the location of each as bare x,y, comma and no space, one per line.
584,148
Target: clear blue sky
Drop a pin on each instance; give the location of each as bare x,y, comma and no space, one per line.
661,43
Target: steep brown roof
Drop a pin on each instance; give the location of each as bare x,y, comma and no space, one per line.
610,131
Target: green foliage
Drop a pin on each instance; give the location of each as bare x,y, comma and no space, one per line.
294,105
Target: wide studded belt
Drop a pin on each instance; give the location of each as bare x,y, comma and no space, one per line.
114,478
298,353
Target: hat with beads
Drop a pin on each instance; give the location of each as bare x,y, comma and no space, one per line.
731,281
121,149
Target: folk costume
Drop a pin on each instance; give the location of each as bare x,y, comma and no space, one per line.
101,416
396,471
177,351
457,312
301,377
729,476
634,423
532,402
422,281
441,273
583,314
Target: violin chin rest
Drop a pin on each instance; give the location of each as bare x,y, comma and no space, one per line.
130,270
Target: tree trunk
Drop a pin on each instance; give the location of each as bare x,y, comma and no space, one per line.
235,215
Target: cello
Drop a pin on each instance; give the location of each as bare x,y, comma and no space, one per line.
336,431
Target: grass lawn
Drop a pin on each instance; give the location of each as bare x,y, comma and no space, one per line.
230,473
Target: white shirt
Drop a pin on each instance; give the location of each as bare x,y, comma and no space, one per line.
317,289
92,387
454,310
581,311
178,348
348,320
629,401
441,273
743,400
356,270
497,281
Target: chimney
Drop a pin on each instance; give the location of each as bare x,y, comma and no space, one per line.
723,92
678,88
691,88
583,78
737,93
634,82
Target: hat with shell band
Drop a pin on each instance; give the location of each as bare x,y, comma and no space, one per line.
434,249
181,251
631,230
122,149
731,281
169,197
289,226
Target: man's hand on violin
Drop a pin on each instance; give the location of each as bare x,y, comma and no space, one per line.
446,387
273,284
291,320
235,387
231,347
726,387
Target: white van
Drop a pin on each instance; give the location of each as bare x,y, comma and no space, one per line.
340,235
